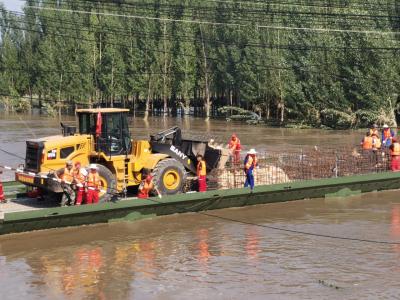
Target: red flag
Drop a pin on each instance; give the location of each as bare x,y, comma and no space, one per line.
98,124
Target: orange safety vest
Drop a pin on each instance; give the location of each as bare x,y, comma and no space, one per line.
395,151
93,180
67,175
79,177
251,161
367,143
386,133
377,143
235,145
144,189
201,168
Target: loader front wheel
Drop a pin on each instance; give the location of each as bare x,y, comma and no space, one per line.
107,179
169,176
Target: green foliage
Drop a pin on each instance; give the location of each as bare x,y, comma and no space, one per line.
233,53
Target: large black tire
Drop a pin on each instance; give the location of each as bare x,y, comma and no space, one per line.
108,182
169,176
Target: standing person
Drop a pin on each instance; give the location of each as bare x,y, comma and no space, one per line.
93,185
146,186
235,147
395,155
367,142
66,178
250,162
387,136
79,179
2,197
201,173
376,146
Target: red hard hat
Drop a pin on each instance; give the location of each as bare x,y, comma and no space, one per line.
77,164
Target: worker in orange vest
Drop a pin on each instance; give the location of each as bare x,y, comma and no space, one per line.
235,147
395,155
2,197
66,177
146,186
79,180
93,185
201,173
367,141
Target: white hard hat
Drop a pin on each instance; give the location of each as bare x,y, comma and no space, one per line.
252,151
93,167
385,126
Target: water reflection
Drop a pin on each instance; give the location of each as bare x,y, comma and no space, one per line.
203,246
252,242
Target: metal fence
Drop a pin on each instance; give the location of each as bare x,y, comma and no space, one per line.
304,164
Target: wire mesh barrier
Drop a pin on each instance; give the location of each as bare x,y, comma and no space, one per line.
304,164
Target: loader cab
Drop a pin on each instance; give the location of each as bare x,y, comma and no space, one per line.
109,127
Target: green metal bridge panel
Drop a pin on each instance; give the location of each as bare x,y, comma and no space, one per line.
135,209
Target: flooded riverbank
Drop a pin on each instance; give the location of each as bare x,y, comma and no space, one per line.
201,257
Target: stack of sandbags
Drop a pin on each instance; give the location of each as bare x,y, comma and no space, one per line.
235,178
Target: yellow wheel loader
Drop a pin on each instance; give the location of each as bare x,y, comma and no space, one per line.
102,137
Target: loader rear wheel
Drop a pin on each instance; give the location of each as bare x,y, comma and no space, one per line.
169,176
107,179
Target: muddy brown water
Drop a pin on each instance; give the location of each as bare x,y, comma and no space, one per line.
193,256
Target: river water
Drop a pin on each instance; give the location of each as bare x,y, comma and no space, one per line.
193,256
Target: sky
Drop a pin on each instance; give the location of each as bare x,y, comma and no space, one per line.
13,4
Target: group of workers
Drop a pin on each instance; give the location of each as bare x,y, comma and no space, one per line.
79,186
375,141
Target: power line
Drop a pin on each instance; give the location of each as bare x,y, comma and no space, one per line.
132,16
171,7
330,30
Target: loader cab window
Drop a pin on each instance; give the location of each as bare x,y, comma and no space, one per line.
87,123
114,138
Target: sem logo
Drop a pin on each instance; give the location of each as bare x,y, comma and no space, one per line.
178,152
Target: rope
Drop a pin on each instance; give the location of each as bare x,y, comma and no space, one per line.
220,217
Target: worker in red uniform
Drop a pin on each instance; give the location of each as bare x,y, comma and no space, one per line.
235,147
146,186
2,197
201,173
395,155
66,177
93,185
79,180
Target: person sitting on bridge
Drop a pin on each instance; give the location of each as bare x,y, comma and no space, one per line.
201,173
146,185
2,197
66,177
93,185
387,136
250,162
